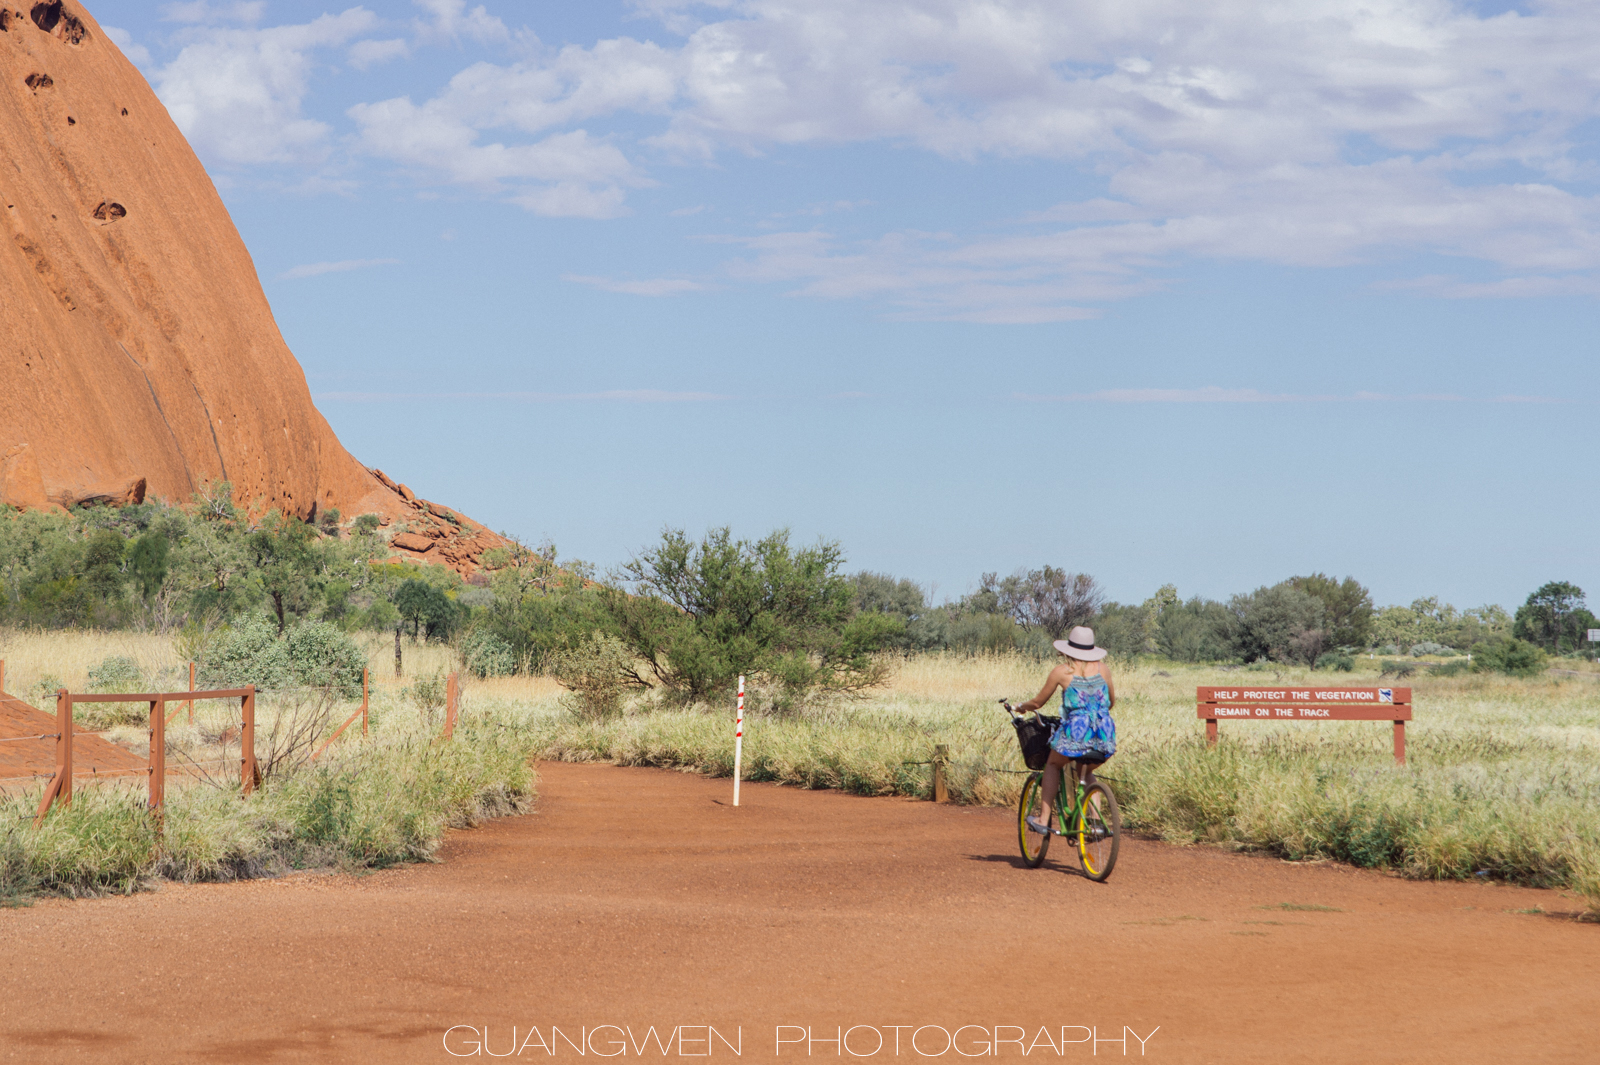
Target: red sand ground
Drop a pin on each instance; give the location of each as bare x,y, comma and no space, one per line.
640,897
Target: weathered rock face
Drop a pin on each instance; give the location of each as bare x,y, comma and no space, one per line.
139,354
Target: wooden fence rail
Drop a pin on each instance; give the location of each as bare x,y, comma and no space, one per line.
60,787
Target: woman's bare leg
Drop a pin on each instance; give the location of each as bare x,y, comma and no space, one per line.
1052,785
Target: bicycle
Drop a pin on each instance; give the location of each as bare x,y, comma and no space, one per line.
1093,822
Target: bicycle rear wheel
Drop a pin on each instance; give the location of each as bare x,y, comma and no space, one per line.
1034,844
1098,832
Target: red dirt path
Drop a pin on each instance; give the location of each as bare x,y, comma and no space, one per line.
799,908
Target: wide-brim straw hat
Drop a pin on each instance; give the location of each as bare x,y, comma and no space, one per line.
1079,644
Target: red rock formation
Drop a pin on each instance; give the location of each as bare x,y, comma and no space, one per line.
140,354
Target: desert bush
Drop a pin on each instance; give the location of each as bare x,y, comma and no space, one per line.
116,674
248,652
1280,623
487,655
1199,630
322,656
1428,647
1340,661
428,692
1513,657
704,613
311,654
596,671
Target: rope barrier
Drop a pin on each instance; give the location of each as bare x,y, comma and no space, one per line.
32,739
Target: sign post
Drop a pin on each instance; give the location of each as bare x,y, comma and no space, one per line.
1307,704
738,742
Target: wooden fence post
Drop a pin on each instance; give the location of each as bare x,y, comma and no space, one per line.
450,706
397,629
64,724
191,688
249,774
363,700
158,753
1399,743
60,786
2,674
941,755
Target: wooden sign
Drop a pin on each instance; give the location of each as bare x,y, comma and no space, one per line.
1291,703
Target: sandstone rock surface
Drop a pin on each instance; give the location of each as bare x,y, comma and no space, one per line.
141,357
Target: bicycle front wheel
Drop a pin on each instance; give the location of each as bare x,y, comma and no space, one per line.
1099,831
1031,806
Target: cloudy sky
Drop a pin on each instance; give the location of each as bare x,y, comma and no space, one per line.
1208,292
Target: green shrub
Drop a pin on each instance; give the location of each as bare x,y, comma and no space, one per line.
119,673
312,654
1336,660
322,656
428,691
705,613
1428,647
487,655
1513,657
595,671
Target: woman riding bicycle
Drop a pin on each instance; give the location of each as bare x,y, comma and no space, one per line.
1086,736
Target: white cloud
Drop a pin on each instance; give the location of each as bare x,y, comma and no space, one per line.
660,286
453,20
137,54
1324,133
318,269
563,175
364,54
246,11
237,93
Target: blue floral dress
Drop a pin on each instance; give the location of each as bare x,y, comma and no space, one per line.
1086,731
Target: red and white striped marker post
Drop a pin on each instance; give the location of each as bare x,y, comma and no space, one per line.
738,743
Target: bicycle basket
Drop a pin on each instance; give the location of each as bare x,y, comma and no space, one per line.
1033,734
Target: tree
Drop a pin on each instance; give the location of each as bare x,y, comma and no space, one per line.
147,561
887,595
1347,607
1049,599
1199,630
1554,618
1514,657
1280,623
280,550
102,564
429,610
705,612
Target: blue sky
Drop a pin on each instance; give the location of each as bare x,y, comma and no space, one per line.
1209,293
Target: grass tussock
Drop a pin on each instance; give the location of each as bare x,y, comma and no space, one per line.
366,805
